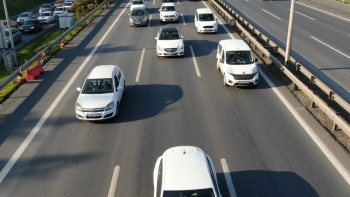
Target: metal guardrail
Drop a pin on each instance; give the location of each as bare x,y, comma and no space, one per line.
252,33
47,49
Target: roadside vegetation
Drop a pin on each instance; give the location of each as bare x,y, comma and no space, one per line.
34,48
15,7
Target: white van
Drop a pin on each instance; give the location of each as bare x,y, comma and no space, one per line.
236,62
205,21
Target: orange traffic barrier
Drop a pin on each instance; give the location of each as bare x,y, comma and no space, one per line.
34,72
62,44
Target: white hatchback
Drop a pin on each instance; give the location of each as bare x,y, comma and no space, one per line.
185,171
101,94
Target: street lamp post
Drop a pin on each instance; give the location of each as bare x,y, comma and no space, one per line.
10,32
290,31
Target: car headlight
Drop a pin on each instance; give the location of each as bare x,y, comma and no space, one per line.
161,15
159,48
175,15
181,46
254,70
109,106
229,70
78,107
32,28
145,19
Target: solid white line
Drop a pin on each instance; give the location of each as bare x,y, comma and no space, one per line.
114,181
330,47
336,163
246,0
140,66
270,14
149,21
48,112
195,62
304,15
183,19
323,11
154,1
231,188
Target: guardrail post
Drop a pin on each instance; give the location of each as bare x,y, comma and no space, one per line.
319,5
334,11
335,127
297,68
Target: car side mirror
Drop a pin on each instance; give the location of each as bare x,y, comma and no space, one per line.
79,89
119,88
221,60
256,59
177,9
156,38
216,19
159,10
182,37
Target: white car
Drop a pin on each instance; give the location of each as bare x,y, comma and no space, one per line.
68,5
168,12
205,21
47,17
185,171
60,10
101,94
138,4
170,42
24,16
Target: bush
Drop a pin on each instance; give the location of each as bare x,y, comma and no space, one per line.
81,8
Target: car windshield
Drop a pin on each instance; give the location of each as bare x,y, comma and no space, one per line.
59,9
239,57
168,8
45,14
29,22
23,15
45,6
137,12
206,17
169,35
190,193
68,4
137,2
98,86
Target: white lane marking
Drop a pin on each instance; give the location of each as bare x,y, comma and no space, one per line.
221,23
270,14
52,107
195,62
330,47
154,1
184,22
149,21
113,185
336,163
140,66
178,2
304,15
323,11
230,186
246,0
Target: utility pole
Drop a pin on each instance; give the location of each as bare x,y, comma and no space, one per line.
290,31
10,32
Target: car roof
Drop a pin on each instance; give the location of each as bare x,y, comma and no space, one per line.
234,45
168,4
185,168
204,10
102,71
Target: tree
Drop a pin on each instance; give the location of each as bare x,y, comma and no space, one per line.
81,8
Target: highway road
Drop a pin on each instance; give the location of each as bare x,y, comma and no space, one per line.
320,38
271,144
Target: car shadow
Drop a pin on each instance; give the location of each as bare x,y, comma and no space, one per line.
200,47
266,183
145,101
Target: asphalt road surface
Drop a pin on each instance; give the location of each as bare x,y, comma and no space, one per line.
263,134
320,38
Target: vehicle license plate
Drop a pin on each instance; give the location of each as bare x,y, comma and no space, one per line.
137,23
243,82
93,115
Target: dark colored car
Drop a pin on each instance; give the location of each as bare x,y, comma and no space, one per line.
31,25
